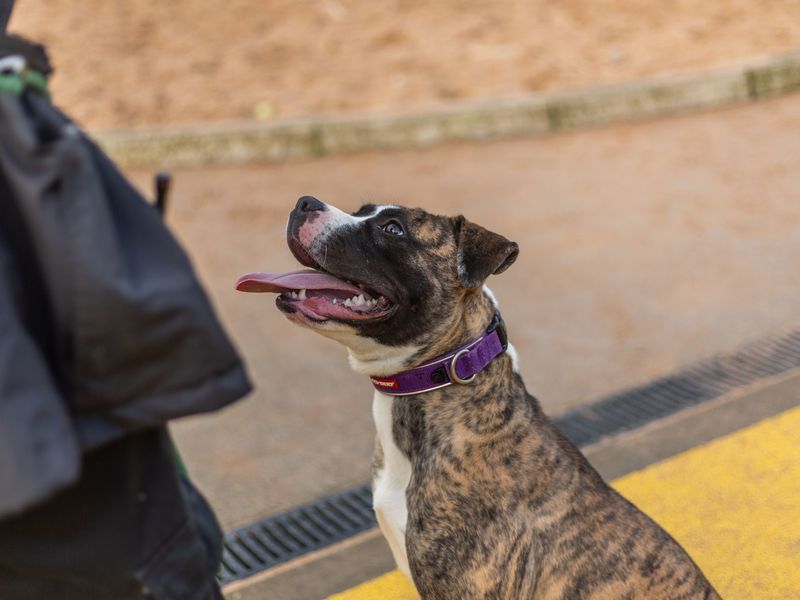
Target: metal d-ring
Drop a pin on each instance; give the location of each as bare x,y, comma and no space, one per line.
453,375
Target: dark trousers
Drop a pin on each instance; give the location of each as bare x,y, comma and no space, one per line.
131,528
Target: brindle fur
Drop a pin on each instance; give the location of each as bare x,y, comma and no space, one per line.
500,504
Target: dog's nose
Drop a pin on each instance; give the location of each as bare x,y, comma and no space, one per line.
308,204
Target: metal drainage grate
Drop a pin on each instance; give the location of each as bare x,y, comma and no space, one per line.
277,539
706,380
280,538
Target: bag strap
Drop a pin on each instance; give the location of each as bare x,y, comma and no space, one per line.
34,54
23,65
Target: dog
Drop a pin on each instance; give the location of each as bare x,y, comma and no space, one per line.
476,492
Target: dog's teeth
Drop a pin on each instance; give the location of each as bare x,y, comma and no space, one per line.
335,301
359,301
302,295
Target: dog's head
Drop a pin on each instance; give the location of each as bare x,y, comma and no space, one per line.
395,285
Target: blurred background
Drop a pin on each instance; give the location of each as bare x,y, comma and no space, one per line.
644,247
123,63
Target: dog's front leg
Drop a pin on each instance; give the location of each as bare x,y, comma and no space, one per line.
391,472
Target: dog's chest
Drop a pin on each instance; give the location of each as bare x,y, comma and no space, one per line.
390,483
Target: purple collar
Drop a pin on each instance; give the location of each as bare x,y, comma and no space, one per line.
457,366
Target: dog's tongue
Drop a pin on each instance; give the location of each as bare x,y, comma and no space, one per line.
305,279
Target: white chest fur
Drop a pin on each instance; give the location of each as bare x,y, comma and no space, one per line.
391,481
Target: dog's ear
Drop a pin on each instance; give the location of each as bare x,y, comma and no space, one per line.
481,253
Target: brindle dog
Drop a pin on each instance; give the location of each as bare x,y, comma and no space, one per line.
477,493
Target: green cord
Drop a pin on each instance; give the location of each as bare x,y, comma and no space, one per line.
37,81
178,460
11,84
16,83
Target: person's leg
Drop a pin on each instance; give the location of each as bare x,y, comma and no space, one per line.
126,531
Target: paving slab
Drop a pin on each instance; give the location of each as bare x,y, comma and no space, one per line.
644,248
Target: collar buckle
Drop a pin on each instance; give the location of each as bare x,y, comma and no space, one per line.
499,326
454,374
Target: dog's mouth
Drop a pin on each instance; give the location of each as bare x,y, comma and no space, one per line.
319,295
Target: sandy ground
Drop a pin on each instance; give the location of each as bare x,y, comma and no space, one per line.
121,64
644,248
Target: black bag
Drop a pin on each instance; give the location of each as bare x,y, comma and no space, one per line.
137,338
105,335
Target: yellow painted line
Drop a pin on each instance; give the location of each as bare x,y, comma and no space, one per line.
392,586
733,503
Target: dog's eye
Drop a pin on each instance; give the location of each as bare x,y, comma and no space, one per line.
393,227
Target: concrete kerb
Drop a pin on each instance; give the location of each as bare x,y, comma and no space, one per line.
246,142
